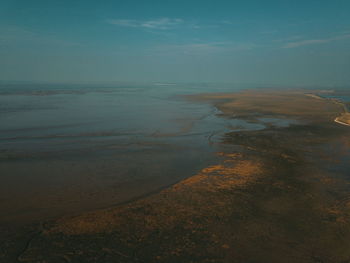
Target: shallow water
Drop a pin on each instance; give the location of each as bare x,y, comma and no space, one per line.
276,194
69,148
340,94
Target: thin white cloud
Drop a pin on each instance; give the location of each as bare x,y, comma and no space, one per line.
161,23
226,22
197,26
166,23
306,42
288,39
201,48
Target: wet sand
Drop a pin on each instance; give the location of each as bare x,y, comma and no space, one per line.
279,194
343,119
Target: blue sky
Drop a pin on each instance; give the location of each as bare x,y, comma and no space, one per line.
264,42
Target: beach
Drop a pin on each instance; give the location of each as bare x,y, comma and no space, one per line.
278,193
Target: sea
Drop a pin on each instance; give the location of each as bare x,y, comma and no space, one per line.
68,148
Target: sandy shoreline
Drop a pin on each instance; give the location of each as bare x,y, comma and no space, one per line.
344,118
347,123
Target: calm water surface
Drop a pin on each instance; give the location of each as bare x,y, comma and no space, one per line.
69,148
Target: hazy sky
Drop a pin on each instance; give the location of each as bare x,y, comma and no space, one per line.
291,42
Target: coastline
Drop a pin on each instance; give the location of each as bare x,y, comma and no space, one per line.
344,118
341,122
264,200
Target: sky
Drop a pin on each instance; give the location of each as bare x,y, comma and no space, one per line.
277,42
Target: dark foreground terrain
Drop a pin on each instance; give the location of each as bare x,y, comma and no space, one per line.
280,194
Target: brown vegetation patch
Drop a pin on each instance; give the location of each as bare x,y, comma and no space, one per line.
295,104
223,176
185,200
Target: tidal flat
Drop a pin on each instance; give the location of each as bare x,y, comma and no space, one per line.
277,193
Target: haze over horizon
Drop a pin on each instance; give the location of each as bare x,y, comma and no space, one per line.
269,42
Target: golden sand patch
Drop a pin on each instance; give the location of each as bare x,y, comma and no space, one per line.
230,155
223,176
183,201
282,103
343,119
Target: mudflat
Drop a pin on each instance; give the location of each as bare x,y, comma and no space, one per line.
277,194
